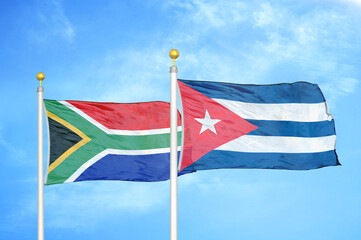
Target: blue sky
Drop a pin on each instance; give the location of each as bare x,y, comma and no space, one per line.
118,51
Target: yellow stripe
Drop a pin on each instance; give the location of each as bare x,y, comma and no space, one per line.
66,154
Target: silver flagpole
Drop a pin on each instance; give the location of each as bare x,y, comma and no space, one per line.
40,76
173,148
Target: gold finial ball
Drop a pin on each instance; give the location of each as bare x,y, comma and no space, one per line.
40,76
173,53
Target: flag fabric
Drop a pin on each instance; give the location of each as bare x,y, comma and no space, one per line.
108,141
280,126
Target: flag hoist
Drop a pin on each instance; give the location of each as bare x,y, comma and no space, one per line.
173,148
40,76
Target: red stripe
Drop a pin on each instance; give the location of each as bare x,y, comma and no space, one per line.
128,116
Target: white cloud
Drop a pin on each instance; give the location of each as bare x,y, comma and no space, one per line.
13,152
52,22
338,87
280,37
310,42
313,44
348,85
211,13
353,2
216,186
134,75
83,205
267,16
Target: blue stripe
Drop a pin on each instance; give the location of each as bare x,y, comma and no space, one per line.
293,129
293,161
299,92
139,168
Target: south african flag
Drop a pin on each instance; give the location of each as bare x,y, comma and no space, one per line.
108,141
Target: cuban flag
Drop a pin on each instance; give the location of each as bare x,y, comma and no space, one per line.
279,126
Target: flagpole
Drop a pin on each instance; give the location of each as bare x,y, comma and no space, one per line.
40,76
173,148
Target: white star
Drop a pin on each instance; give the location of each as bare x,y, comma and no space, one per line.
207,123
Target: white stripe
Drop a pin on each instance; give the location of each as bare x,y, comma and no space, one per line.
299,112
117,132
264,144
102,154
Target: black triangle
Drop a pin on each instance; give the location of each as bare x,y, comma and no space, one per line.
61,139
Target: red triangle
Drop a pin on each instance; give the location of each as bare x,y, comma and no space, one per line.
197,144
